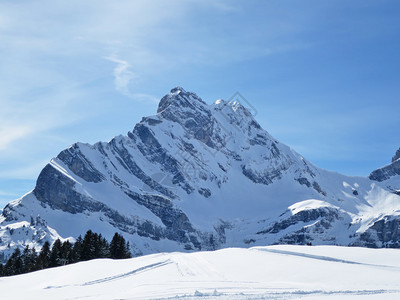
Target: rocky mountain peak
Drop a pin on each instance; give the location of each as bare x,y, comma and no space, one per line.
396,156
201,177
177,90
179,98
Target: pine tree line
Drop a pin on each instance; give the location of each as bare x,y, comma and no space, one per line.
92,246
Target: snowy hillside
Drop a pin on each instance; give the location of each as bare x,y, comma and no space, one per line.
274,272
199,177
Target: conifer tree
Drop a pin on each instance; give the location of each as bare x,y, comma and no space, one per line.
119,248
102,247
14,264
66,253
55,254
77,250
29,257
43,258
88,247
92,246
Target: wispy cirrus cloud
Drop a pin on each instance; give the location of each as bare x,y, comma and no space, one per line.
94,77
124,80
123,76
58,73
12,132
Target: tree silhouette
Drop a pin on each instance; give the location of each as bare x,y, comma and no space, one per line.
55,254
119,248
29,258
43,259
14,265
92,246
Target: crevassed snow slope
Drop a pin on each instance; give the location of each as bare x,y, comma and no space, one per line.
272,272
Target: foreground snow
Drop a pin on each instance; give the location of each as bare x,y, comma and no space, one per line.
273,272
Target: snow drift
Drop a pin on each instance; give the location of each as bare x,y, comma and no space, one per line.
274,272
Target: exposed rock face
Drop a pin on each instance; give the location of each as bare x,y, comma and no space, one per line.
383,233
79,164
200,177
387,172
305,216
396,156
57,190
389,175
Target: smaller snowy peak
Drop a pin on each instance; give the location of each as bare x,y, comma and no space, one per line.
234,106
396,156
391,171
179,98
235,113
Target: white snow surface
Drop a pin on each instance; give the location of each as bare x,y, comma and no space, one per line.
272,272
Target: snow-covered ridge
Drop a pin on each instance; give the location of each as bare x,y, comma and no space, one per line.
200,177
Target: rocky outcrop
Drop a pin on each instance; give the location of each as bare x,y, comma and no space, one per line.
396,156
327,214
384,233
79,164
387,172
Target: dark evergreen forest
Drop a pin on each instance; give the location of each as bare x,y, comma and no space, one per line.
91,246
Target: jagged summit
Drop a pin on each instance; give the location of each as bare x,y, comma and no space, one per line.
191,111
179,98
177,90
199,177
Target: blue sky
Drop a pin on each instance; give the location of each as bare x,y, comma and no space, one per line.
323,75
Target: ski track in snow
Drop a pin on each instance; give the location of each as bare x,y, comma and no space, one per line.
142,269
325,258
284,295
116,277
273,272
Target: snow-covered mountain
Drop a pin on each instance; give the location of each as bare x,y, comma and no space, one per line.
201,177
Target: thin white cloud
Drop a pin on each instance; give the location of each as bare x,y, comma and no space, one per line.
122,75
53,68
124,80
11,133
145,97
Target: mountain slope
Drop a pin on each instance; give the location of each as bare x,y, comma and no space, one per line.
198,177
273,272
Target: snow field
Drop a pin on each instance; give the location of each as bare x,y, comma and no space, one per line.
272,272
